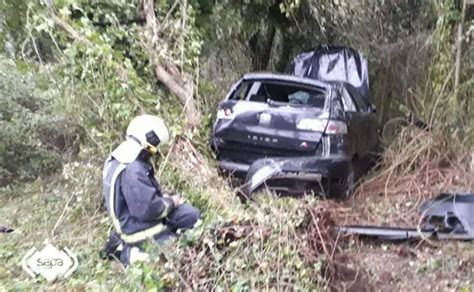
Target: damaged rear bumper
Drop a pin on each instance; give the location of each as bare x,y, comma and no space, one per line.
293,175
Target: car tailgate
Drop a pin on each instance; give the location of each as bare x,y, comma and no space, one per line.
265,127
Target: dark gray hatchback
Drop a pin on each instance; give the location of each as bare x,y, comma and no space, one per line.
295,134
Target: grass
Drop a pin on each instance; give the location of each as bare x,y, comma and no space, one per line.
280,243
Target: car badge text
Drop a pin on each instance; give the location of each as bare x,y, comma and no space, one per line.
262,139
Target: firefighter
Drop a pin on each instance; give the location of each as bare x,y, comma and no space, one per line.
133,197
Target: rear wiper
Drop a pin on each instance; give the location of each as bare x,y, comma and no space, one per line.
282,103
275,103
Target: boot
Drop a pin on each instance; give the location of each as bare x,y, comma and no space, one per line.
113,247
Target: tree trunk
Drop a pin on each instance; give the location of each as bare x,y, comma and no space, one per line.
178,83
260,45
286,45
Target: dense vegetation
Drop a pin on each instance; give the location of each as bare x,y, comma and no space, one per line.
74,72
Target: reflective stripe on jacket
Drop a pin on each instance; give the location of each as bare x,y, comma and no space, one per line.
134,200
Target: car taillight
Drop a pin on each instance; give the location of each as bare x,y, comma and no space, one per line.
336,127
225,114
319,125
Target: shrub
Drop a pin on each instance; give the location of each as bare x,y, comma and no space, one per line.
34,134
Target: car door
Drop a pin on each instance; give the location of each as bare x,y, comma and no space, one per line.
355,123
369,121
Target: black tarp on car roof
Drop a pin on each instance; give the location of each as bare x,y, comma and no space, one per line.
333,63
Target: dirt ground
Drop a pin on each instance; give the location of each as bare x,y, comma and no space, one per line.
424,266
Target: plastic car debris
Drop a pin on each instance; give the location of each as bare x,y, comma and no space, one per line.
454,212
445,217
333,63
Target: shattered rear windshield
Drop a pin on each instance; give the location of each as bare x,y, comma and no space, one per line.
280,93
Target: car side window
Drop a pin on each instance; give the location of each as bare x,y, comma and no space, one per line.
241,92
348,102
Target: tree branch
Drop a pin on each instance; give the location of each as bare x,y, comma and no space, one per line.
167,73
70,30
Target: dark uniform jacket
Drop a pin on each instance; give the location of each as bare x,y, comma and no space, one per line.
134,200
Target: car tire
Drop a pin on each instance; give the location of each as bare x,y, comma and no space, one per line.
344,191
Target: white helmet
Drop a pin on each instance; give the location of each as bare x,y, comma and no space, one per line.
143,132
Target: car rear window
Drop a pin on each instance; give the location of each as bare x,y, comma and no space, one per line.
280,93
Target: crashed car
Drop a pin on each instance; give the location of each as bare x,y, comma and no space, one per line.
308,130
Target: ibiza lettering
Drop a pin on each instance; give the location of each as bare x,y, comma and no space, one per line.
262,139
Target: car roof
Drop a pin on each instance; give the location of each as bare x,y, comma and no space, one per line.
285,77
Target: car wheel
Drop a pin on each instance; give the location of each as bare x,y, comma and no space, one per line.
345,190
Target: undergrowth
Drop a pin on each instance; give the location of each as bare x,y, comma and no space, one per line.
281,243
